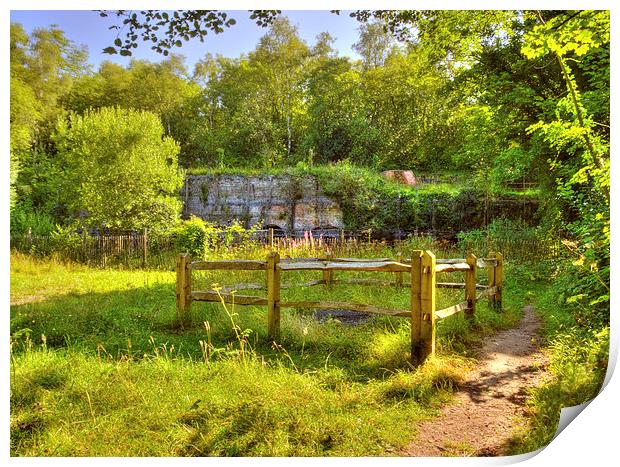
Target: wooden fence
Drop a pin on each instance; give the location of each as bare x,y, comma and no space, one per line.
423,269
130,250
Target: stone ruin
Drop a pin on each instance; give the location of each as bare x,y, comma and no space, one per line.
267,201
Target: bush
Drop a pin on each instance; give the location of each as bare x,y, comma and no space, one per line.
24,218
65,240
194,236
119,170
237,234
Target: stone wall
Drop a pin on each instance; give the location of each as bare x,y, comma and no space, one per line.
289,203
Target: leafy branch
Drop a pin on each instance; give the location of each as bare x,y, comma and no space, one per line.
167,30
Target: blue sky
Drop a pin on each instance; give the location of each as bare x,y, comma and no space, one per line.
88,28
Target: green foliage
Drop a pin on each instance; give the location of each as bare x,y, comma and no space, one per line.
13,171
578,352
504,229
202,239
100,347
44,64
160,88
581,164
455,36
23,217
25,111
120,170
500,95
193,236
237,234
65,240
570,32
374,44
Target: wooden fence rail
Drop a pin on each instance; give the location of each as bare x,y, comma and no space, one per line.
423,269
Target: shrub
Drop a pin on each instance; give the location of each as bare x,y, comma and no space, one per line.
24,218
194,236
119,170
65,240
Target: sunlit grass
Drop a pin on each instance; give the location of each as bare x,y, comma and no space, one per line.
100,367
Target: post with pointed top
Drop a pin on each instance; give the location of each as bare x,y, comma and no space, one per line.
470,286
184,287
427,299
273,296
499,280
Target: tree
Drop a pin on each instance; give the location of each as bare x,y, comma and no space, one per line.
162,88
337,127
48,61
253,110
323,47
455,36
581,162
576,34
374,44
119,171
44,66
279,57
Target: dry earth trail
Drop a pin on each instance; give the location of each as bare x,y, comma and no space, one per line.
489,404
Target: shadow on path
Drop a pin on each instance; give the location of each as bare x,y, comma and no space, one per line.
488,404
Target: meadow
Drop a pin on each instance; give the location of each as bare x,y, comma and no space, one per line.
101,367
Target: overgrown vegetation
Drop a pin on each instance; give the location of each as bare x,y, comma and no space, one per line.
371,203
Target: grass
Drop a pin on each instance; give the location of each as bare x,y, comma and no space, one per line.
99,367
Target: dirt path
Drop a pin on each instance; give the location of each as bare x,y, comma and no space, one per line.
488,404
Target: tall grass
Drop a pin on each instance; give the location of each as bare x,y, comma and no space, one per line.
99,367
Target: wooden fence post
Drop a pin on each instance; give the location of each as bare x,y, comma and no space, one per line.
273,296
427,300
328,275
399,275
145,246
491,282
416,304
470,286
184,287
499,280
